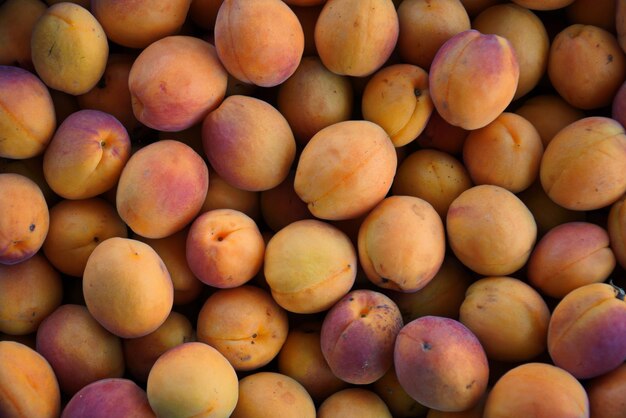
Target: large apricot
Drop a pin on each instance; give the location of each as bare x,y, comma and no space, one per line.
353,403
162,188
249,143
509,141
244,324
568,256
27,382
345,169
468,56
490,230
69,48
25,218
127,288
259,42
584,166
175,82
587,332
586,66
86,154
356,37
539,390
309,265
192,380
27,114
224,248
441,364
396,97
78,348
358,336
401,243
509,317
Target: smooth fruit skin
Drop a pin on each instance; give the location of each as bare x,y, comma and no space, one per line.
587,331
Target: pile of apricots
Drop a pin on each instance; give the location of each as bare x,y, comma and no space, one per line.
313,208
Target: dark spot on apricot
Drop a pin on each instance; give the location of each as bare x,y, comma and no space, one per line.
254,335
96,239
426,346
31,227
609,59
417,92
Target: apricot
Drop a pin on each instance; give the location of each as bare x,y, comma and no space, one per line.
509,317
172,250
490,230
353,403
356,37
141,353
301,358
244,324
587,332
309,265
401,243
224,248
25,218
442,295
539,390
27,382
269,391
78,348
432,175
314,98
258,42
527,35
606,394
249,143
162,188
109,397
584,166
192,380
598,52
175,82
358,335
29,291
425,25
27,114
441,364
346,169
222,195
569,256
17,19
127,287
281,206
467,56
400,404
396,98
111,94
139,23
69,48
508,141
86,154
548,113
